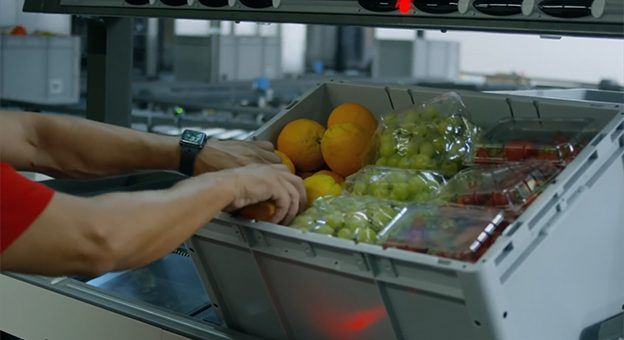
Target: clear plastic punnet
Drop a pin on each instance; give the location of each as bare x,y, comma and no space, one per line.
514,140
451,231
405,185
436,135
358,218
511,187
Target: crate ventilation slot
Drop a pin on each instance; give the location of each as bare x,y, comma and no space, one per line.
566,8
175,3
498,7
378,5
257,3
436,6
137,2
214,3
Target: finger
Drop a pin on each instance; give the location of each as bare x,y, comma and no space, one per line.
281,168
297,183
265,145
269,156
293,210
282,203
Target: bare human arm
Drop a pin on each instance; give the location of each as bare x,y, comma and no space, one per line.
118,231
63,146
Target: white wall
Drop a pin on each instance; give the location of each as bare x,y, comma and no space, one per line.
570,58
11,14
293,48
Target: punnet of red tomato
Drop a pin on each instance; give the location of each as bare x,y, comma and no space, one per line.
510,187
451,231
554,140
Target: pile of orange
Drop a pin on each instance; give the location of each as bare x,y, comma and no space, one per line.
306,147
343,146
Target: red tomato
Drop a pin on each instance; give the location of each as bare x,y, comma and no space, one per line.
18,30
516,150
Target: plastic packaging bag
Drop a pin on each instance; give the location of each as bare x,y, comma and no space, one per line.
554,140
405,185
358,218
462,233
510,187
436,135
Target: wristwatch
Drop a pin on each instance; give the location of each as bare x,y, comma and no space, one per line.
191,143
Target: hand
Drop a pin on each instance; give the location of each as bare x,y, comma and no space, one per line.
258,183
221,155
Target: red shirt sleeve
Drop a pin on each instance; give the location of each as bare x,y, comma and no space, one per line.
21,201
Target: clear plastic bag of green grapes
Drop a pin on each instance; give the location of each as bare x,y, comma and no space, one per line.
358,218
405,185
435,135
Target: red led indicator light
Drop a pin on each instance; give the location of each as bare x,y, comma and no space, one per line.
404,5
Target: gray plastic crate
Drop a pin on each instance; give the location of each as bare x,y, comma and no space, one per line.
227,57
42,70
554,271
417,59
573,94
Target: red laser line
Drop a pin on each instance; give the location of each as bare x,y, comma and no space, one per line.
403,5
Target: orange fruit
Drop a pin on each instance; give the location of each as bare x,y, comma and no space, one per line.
305,174
286,161
339,179
346,148
353,113
320,185
300,140
263,211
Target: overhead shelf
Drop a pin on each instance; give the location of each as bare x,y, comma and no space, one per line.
559,17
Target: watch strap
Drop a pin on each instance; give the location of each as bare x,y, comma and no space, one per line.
187,159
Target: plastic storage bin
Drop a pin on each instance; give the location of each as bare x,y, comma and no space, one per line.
555,270
48,69
587,95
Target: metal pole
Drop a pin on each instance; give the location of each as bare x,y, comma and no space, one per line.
109,70
151,48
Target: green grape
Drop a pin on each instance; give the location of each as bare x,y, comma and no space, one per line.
380,189
394,161
426,148
456,149
345,233
335,219
396,177
420,161
360,188
449,168
382,161
412,148
417,184
387,210
400,191
405,163
390,119
380,219
410,117
355,220
386,149
439,145
366,235
443,126
431,113
303,221
324,229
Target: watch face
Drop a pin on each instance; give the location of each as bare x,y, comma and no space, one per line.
193,137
